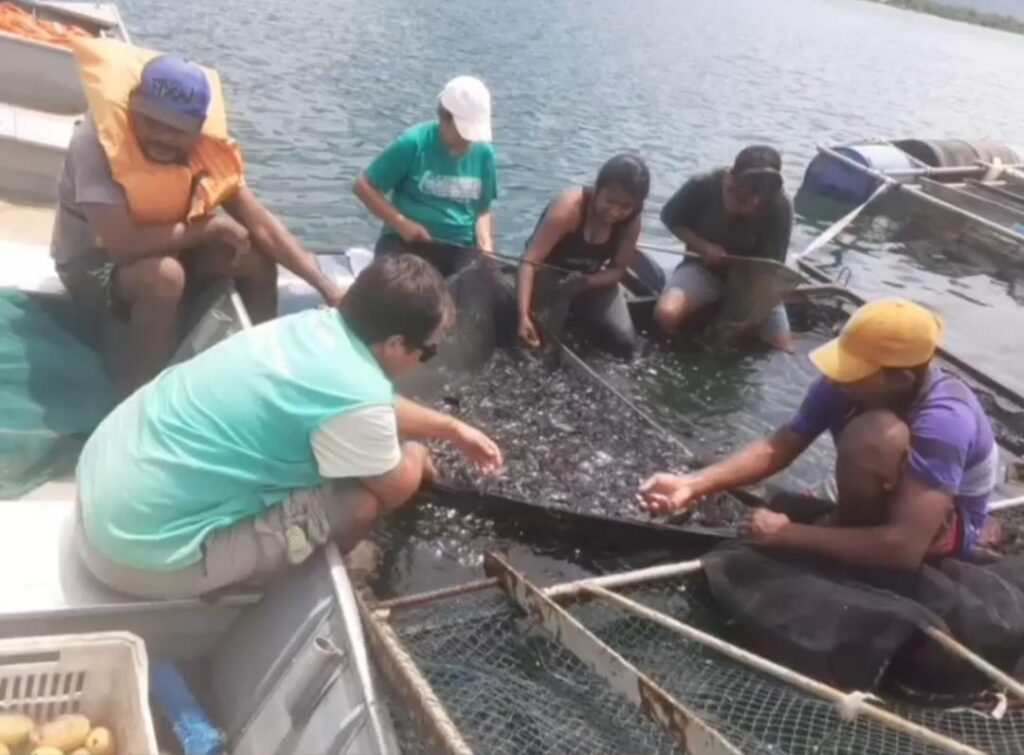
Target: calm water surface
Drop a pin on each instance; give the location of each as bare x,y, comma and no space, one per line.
316,88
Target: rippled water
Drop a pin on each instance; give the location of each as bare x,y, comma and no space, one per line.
315,89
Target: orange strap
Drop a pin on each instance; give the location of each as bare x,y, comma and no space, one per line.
16,20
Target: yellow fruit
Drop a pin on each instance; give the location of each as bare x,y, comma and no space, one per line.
100,742
47,750
15,728
66,733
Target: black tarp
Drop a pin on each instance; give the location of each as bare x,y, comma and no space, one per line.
853,628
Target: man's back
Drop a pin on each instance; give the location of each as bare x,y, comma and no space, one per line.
222,436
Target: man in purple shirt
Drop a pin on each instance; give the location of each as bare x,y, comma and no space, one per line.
916,456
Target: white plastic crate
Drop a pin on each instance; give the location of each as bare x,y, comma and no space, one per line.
104,676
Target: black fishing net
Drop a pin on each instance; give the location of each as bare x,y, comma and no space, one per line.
856,628
567,441
753,288
717,399
511,689
484,320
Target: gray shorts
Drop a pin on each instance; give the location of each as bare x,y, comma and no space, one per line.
703,287
247,553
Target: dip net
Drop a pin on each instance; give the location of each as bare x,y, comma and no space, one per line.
510,687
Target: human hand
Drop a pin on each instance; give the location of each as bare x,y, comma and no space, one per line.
764,525
714,255
480,450
528,332
411,231
667,494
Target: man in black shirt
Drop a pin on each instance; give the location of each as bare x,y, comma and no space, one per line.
741,211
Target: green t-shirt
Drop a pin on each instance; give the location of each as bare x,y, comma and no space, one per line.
221,437
444,194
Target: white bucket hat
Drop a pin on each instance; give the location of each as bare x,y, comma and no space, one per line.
469,102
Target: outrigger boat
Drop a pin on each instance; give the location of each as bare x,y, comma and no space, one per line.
977,187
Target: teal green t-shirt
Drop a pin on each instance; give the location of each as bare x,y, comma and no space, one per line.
221,437
444,194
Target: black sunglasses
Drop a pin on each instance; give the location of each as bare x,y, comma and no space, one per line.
427,351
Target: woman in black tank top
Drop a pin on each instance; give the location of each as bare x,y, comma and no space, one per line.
579,251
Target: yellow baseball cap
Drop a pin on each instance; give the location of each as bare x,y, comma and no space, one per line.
882,333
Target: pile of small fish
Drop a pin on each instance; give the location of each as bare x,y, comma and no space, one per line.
567,442
1013,529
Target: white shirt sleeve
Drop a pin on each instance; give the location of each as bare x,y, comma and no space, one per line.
359,443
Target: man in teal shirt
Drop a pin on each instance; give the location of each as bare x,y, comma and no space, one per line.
232,466
442,180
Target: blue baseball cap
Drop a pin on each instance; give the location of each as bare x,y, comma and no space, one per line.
173,91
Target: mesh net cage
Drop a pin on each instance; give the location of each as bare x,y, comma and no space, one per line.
509,687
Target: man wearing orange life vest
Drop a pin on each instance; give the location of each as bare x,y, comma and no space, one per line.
144,176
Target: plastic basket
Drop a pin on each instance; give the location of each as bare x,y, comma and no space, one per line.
104,676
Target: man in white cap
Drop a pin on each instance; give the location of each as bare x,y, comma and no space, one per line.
442,180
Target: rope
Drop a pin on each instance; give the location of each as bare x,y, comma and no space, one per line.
853,704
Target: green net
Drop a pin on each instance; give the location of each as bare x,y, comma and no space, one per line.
53,390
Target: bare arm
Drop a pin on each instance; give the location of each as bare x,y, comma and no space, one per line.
398,486
916,515
712,254
380,206
620,262
561,218
128,241
681,212
753,463
418,421
485,232
667,493
270,237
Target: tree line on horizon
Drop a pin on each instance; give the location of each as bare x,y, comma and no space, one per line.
959,13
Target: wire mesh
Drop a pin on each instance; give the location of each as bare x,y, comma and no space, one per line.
511,689
758,712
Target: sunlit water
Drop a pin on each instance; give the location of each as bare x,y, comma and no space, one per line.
315,89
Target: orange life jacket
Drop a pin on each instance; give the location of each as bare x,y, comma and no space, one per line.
22,23
156,193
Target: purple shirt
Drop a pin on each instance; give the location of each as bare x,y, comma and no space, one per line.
952,447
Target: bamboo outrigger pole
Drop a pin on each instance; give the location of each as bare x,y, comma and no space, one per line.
849,704
916,192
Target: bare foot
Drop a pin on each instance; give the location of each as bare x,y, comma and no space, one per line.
361,562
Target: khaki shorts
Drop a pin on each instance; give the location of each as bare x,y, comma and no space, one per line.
246,553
